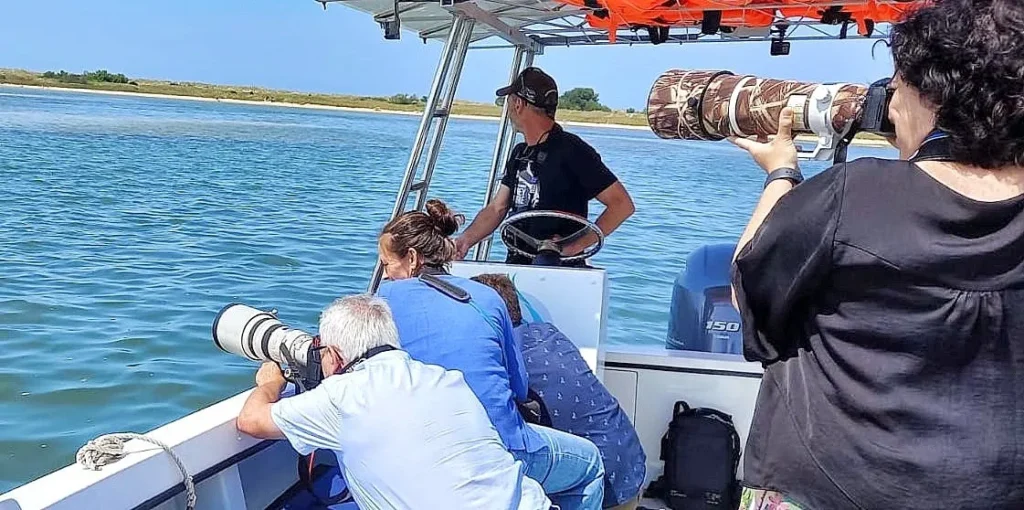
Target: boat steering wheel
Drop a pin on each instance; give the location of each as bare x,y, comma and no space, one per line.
510,232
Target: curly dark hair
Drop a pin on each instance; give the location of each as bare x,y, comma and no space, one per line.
966,57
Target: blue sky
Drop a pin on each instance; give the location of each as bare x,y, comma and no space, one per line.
295,44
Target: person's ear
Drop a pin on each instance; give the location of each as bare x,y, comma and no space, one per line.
414,259
337,357
331,362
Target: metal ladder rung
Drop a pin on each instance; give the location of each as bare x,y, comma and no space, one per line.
432,124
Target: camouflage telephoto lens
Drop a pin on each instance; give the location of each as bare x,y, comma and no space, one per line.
714,105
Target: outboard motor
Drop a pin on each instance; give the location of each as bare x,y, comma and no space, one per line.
702,317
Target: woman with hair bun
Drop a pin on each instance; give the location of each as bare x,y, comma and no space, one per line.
476,338
418,241
885,298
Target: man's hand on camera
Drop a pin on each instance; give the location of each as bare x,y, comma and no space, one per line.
780,152
270,375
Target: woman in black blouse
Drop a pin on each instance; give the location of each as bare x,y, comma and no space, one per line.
886,298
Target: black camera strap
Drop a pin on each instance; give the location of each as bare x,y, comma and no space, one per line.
936,147
429,276
366,355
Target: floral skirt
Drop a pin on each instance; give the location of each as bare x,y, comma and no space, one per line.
759,499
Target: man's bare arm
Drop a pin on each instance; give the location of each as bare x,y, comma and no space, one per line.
618,208
254,418
485,222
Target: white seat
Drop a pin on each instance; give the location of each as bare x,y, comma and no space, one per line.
575,300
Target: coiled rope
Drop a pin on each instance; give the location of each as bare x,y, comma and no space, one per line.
109,448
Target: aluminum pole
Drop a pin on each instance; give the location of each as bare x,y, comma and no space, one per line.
428,115
481,250
503,148
447,102
429,110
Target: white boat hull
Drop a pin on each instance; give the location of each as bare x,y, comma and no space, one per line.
235,472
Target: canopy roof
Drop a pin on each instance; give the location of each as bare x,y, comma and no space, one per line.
538,23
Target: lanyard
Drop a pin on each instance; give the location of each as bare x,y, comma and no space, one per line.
934,148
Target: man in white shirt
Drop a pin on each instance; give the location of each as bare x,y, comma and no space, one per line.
407,435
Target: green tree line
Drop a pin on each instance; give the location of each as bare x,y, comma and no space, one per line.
97,76
582,99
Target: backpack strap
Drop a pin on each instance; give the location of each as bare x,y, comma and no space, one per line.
713,413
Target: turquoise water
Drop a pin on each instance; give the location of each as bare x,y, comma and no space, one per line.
127,223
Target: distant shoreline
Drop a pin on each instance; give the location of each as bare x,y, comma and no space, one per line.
860,142
298,105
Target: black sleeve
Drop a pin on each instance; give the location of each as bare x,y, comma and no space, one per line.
777,273
509,178
592,174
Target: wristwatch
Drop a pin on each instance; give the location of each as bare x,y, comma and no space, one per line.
788,173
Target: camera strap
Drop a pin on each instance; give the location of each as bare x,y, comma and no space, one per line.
934,148
313,375
366,355
429,277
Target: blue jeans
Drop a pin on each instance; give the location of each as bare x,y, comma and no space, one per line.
568,467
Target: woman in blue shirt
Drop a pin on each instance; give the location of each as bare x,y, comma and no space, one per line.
475,337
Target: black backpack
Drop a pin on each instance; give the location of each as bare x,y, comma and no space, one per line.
701,451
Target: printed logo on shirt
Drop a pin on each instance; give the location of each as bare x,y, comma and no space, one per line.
527,193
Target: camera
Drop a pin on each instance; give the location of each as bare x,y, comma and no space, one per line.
717,104
260,336
876,110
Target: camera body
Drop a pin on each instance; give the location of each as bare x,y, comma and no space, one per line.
260,336
876,110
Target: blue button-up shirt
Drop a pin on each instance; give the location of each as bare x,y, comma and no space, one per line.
579,404
474,338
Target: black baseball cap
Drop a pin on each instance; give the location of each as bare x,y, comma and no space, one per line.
536,88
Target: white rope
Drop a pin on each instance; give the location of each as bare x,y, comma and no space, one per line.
110,448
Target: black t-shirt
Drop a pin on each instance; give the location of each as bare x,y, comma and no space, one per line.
889,312
562,173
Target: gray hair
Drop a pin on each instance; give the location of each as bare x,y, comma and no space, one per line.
355,324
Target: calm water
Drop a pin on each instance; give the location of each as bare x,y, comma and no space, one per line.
127,223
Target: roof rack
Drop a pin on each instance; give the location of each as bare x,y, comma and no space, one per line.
535,24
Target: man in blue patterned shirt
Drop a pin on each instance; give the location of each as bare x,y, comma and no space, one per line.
575,400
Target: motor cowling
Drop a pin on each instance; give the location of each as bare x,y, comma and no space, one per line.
702,317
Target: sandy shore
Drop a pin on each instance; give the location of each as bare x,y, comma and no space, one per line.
299,105
801,139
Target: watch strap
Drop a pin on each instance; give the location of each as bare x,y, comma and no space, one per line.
791,174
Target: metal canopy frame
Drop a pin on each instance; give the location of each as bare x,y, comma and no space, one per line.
528,26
